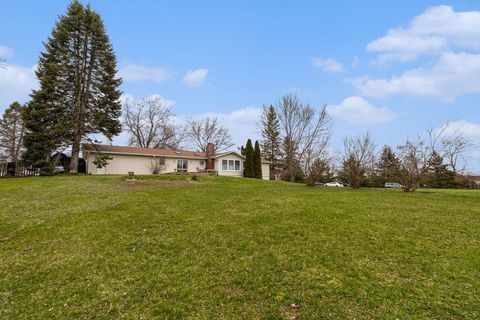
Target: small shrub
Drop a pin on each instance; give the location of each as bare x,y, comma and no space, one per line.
45,168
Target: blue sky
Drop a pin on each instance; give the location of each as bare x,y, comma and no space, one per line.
392,68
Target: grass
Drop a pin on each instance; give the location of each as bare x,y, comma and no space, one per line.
227,248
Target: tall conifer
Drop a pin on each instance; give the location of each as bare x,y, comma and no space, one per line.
270,137
249,155
257,161
78,92
388,166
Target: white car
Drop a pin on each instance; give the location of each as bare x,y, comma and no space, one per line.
393,185
334,184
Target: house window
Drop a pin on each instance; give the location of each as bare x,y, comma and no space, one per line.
161,161
231,165
182,165
202,163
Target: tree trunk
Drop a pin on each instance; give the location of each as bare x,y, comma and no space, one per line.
74,159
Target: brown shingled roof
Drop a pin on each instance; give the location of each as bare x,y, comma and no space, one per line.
143,151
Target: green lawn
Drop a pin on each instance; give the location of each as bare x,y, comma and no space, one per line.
102,247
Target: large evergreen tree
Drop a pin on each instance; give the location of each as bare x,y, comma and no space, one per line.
257,161
78,92
12,131
388,166
270,137
248,170
352,171
438,175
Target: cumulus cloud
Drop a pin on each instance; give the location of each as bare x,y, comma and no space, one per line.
452,75
195,78
437,29
5,51
327,65
468,129
357,110
165,102
16,84
136,72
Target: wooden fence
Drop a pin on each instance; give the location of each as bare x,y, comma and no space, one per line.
13,170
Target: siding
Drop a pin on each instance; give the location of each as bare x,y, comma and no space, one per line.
230,173
122,164
265,171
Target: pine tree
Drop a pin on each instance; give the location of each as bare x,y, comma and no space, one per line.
242,151
257,161
12,131
271,137
249,158
352,171
438,175
388,166
78,92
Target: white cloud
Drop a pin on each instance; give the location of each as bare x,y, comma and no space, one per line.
165,102
453,74
357,110
5,51
135,72
195,78
16,84
328,64
468,129
437,29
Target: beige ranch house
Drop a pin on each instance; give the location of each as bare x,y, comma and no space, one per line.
160,161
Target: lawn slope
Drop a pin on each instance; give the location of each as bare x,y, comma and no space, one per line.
162,247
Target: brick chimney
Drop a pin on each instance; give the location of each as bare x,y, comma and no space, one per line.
209,154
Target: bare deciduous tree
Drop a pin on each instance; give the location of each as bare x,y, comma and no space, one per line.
358,157
150,124
449,143
414,157
12,130
454,147
307,131
207,130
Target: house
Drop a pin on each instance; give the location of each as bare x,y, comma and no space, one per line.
152,161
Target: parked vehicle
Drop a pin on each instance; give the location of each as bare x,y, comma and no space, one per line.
394,185
58,169
319,184
335,184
